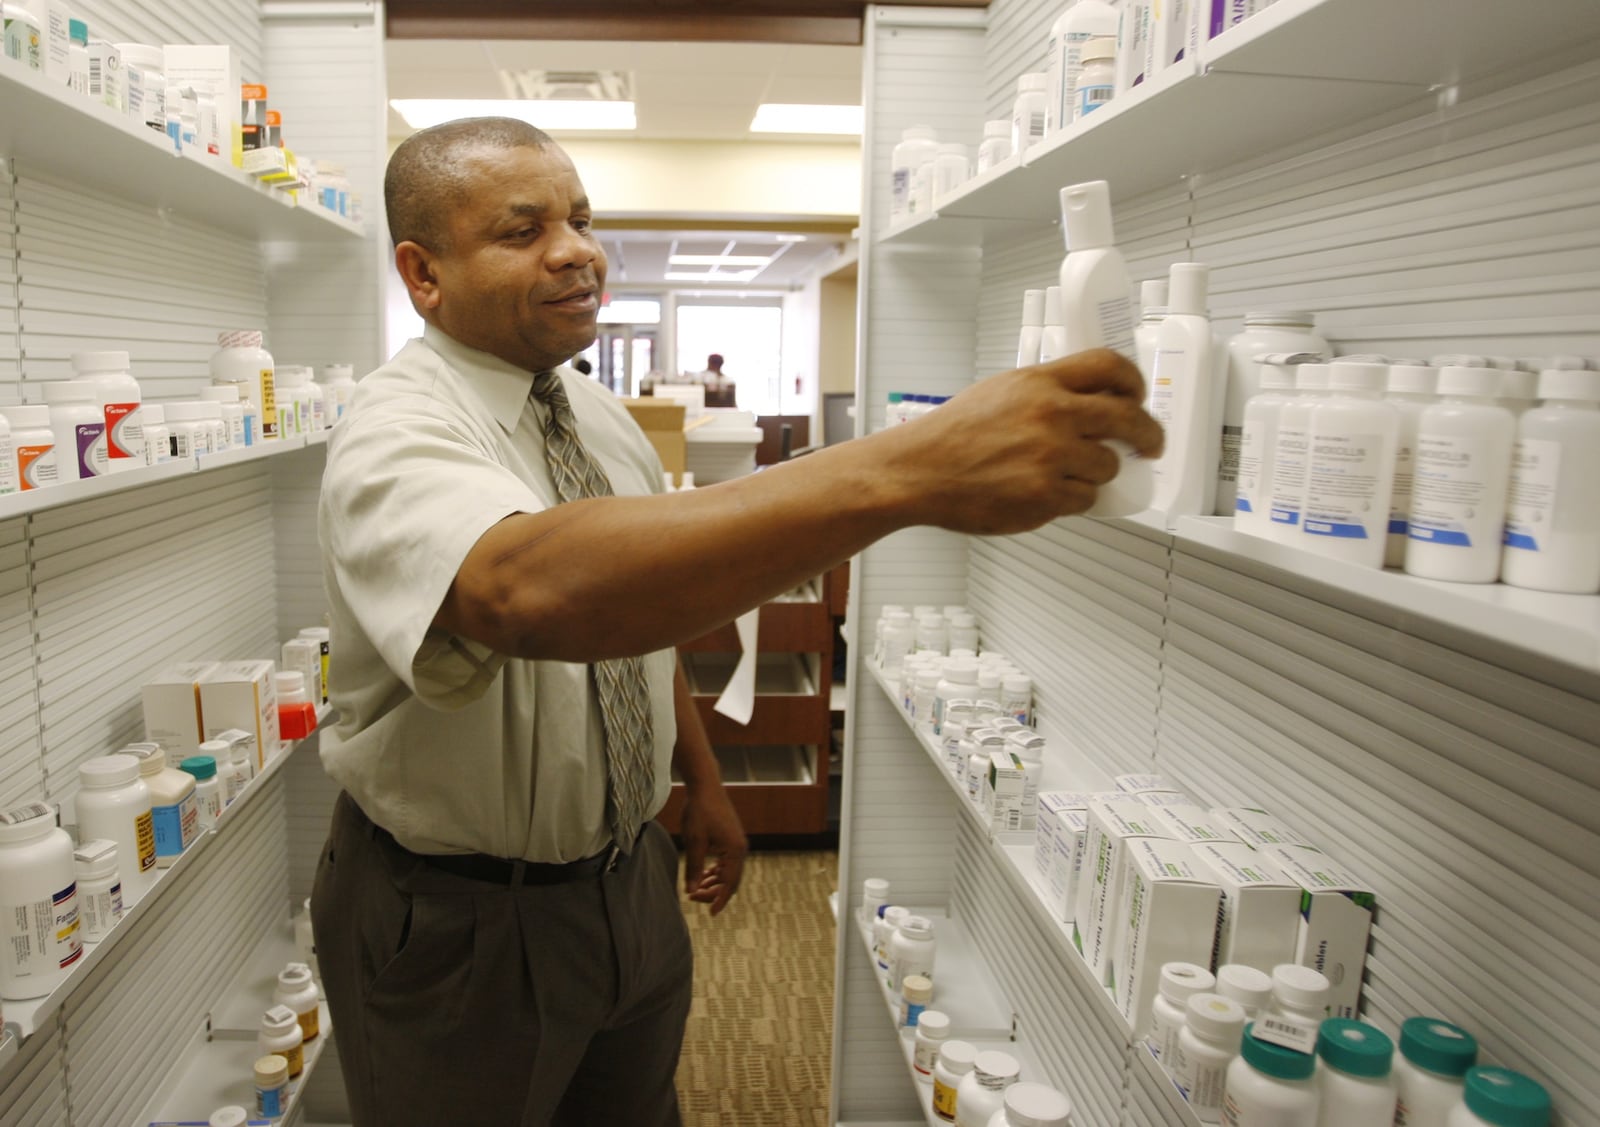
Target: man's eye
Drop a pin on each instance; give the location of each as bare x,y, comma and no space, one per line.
583,225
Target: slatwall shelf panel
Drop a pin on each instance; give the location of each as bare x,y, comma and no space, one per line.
21,765
125,1031
1153,1099
10,342
49,127
141,902
34,1082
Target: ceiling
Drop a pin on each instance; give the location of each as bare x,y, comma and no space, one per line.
682,92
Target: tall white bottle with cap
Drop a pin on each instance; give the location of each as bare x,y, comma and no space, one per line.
1152,311
1032,328
1350,467
1185,384
1097,312
1053,334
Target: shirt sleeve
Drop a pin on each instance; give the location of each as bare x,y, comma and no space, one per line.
408,491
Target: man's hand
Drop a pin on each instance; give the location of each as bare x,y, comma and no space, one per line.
714,846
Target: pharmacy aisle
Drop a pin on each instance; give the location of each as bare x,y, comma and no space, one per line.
1419,745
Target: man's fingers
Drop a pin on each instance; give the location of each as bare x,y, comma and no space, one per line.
1099,371
1104,417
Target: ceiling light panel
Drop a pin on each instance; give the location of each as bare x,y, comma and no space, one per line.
720,259
777,117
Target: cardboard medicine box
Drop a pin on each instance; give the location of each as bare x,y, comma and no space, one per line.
1336,910
243,694
1168,912
1260,906
1113,823
1190,823
1066,863
213,69
173,716
1257,828
1010,795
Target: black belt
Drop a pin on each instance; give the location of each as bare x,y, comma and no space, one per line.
498,870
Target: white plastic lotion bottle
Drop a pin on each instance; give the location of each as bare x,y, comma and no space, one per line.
1552,538
1052,337
1152,311
1097,312
1029,339
1259,441
1350,467
1458,499
1184,382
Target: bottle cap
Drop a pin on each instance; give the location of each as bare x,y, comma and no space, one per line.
964,620
996,1065
922,133
1099,47
231,1116
875,887
217,749
1280,370
997,129
1300,987
935,1024
320,633
1214,1017
962,670
279,1019
1567,383
1246,985
1153,294
85,362
929,678
108,771
95,859
186,412
916,927
1479,382
916,988
1032,308
271,1071
1036,1105
1275,1060
292,375
1412,379
1459,360
1292,318
1503,363
1355,1047
897,618
78,32
291,681
1052,305
294,976
240,338
1311,377
1028,83
200,766
1086,216
1570,363
1506,1099
152,760
24,823
893,913
1017,683
210,410
1180,981
225,393
1354,375
1438,1046
1517,385
71,391
1186,286
957,1056
29,415
338,372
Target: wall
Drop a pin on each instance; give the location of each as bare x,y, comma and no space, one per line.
1455,773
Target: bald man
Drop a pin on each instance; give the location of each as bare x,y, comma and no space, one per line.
496,914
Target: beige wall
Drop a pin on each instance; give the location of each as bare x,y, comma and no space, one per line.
837,344
717,179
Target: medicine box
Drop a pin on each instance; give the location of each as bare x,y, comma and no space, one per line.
211,69
242,694
1113,822
1010,796
172,709
252,116
1133,784
1066,863
1163,798
1335,919
1260,906
1168,911
1256,827
1190,823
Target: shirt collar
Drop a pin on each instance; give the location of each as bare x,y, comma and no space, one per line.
503,386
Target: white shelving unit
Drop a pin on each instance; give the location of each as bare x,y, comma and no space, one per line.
94,146
25,1018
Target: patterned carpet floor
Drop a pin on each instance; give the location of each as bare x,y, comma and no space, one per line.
756,1051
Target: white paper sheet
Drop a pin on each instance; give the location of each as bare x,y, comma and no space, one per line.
738,700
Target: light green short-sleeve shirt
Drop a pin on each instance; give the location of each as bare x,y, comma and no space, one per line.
447,745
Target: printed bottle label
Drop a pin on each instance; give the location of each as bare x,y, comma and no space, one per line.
89,438
944,1100
124,431
270,1101
1248,450
1535,475
41,936
308,1024
1405,462
1448,491
101,911
36,465
8,466
1116,325
269,405
1289,474
176,826
1090,98
144,832
1341,485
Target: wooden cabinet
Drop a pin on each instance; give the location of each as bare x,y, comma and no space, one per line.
776,766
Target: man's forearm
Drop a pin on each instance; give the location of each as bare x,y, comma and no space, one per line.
692,754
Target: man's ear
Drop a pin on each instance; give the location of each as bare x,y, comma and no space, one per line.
416,265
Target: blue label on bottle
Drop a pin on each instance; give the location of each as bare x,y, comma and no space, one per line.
1451,537
1285,516
1335,528
1521,540
1398,526
1242,505
270,1101
168,822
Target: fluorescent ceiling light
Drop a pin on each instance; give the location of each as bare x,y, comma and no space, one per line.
718,259
790,238
631,311
727,276
420,113
777,117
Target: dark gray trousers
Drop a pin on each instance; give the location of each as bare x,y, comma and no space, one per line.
457,1002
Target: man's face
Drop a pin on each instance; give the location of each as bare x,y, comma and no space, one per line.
522,273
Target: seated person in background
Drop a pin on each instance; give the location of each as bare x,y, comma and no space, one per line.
720,388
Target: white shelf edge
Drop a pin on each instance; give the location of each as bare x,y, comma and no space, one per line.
26,1015
1565,628
32,501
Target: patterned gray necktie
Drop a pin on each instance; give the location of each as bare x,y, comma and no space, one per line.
620,683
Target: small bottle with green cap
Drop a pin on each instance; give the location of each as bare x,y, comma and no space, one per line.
1498,1097
1270,1086
1355,1082
1430,1070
